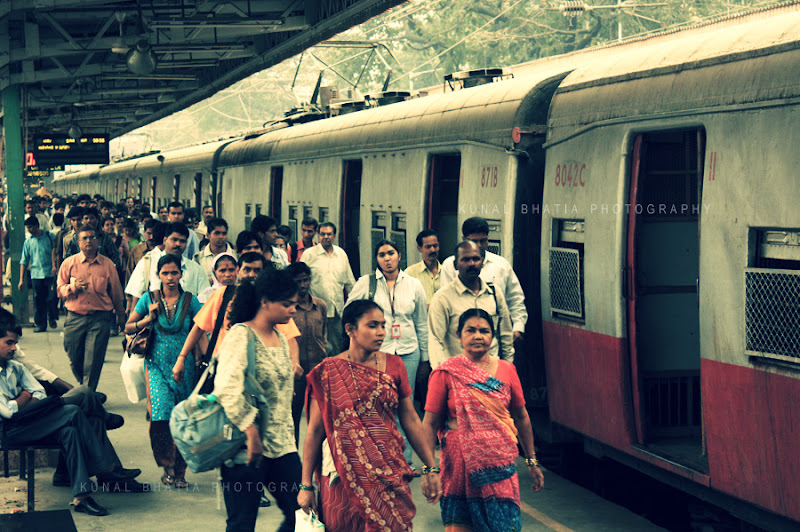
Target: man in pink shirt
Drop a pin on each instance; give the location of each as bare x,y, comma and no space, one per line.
89,284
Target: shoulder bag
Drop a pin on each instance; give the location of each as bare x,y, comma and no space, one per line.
204,435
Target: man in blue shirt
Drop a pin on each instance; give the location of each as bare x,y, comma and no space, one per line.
65,424
37,257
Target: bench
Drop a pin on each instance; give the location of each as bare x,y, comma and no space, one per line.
27,465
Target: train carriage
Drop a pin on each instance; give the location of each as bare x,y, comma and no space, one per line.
670,282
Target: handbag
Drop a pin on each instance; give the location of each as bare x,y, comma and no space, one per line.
307,522
133,377
142,342
203,434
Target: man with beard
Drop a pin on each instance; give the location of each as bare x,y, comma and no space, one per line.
468,290
427,270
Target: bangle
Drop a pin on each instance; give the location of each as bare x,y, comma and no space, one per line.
307,488
532,461
434,469
181,355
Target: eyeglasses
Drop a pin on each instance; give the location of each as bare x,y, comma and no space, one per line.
87,238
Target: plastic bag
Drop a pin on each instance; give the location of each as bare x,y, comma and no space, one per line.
307,522
132,370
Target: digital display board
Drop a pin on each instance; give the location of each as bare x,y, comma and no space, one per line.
54,150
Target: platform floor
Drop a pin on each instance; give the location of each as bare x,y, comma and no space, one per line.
561,506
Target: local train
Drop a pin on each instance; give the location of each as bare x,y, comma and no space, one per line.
647,197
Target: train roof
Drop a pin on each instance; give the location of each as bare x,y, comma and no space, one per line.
484,114
200,156
690,74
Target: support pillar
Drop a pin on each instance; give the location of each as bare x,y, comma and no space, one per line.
12,131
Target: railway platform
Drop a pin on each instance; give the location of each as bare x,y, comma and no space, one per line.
561,506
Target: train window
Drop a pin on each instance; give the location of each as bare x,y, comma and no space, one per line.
377,232
308,212
276,192
398,236
671,167
772,282
323,214
248,214
566,269
495,230
293,219
259,206
197,190
176,187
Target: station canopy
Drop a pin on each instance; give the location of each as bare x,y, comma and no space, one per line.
111,66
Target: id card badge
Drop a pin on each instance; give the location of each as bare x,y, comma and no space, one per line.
395,331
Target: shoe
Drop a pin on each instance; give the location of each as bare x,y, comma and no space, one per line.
167,479
122,475
264,502
125,486
89,506
114,421
181,483
53,324
40,329
101,397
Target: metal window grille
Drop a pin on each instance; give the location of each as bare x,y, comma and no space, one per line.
772,313
566,282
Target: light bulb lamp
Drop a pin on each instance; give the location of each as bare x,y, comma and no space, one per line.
141,59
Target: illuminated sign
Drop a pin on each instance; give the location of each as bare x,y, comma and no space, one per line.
53,150
39,171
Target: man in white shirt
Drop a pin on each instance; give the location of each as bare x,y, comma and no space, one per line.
176,214
208,214
217,243
193,278
495,270
331,280
266,227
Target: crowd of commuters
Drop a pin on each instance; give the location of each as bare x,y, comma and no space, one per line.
349,353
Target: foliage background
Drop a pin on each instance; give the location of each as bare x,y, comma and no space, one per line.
421,41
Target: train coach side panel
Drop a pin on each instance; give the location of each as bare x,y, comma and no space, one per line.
750,403
588,372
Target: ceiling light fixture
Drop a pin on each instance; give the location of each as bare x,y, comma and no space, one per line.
141,59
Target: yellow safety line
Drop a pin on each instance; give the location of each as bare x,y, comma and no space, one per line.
545,519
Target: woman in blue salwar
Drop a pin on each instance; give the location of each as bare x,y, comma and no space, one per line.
171,310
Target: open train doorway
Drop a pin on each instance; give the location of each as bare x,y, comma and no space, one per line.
442,213
663,293
351,213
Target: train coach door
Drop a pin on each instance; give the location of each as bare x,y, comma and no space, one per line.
662,286
351,213
442,215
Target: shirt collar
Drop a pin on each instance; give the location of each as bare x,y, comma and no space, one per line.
312,306
85,259
461,288
379,274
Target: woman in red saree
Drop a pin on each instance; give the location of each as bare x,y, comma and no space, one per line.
352,399
475,403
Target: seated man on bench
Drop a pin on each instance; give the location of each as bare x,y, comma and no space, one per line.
120,480
26,423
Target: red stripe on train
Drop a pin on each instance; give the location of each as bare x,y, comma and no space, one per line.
751,416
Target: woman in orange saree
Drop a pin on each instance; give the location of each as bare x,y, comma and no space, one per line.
475,403
352,399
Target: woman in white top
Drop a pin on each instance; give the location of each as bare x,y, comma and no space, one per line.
271,460
405,307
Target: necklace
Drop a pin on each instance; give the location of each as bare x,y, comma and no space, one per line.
351,362
484,364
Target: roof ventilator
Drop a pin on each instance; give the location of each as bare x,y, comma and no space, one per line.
472,78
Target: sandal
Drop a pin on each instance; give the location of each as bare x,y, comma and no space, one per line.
180,482
168,480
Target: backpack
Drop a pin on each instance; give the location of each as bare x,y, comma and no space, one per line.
204,435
